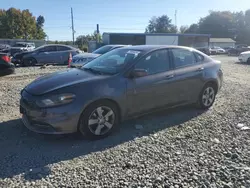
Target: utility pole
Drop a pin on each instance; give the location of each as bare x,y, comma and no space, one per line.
72,26
175,16
97,32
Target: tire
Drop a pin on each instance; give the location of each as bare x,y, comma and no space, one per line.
99,128
207,96
248,61
29,62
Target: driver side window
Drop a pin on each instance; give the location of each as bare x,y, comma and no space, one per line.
156,62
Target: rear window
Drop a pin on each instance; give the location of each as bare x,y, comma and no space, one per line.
199,57
63,48
20,45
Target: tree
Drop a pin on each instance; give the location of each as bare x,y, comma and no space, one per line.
194,28
217,23
82,40
247,18
183,29
161,24
40,34
19,24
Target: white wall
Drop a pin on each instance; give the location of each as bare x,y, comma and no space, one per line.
222,44
105,38
161,40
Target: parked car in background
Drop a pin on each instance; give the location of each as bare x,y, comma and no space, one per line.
6,67
205,50
94,99
5,48
238,49
228,48
244,57
217,50
81,59
21,46
47,54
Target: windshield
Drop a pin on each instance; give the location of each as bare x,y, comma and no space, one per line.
19,45
102,50
112,62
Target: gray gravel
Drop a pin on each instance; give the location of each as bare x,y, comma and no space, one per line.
183,147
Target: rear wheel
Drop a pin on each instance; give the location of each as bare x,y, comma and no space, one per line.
207,96
29,62
98,120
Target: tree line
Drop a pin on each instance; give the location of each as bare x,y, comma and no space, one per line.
21,24
220,24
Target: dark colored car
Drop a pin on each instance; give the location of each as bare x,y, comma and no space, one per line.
94,99
83,58
237,50
6,67
47,54
205,50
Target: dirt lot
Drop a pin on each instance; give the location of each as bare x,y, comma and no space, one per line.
183,147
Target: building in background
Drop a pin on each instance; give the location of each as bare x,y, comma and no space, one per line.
222,42
190,40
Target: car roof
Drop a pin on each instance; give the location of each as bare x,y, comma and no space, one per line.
59,45
147,48
116,45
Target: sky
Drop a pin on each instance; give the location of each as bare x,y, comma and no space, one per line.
121,16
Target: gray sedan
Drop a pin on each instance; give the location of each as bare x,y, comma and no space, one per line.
81,59
121,84
47,54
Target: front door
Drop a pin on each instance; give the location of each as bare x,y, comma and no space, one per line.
47,55
153,90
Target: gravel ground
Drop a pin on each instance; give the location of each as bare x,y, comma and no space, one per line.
176,148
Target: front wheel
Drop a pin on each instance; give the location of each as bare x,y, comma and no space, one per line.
207,96
98,120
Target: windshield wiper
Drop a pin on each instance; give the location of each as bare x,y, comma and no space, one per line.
93,70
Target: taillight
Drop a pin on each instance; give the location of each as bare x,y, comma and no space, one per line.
6,58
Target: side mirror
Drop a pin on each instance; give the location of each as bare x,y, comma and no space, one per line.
138,73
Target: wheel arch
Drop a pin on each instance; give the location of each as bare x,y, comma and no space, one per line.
214,83
101,100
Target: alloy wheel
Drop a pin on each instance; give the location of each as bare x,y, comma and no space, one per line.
208,96
101,120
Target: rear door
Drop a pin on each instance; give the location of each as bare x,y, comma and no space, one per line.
189,71
155,89
63,54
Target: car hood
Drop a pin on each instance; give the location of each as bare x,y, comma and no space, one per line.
244,53
86,55
57,80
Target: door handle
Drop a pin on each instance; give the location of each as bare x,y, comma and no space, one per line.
200,69
169,76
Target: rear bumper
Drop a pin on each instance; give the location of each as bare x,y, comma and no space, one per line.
7,71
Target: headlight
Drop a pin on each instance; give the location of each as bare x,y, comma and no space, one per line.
56,100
